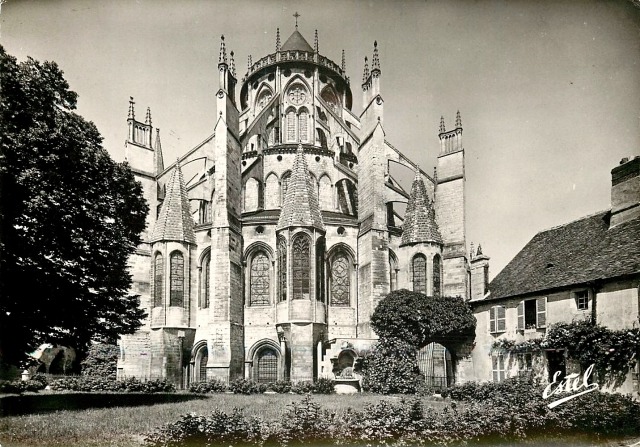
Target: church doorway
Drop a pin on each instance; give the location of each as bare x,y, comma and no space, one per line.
434,362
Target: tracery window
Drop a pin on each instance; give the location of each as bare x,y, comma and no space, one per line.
302,125
301,268
436,276
205,282
259,280
267,366
340,280
263,99
420,273
291,125
158,279
176,292
282,269
297,95
330,97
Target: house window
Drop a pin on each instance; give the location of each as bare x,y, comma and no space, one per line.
205,282
582,300
497,319
282,269
266,366
176,295
420,273
301,268
340,280
525,364
259,280
532,314
158,279
497,362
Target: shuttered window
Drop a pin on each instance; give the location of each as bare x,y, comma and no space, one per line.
497,362
497,319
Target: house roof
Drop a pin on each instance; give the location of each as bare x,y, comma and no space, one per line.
174,221
420,217
300,207
579,252
296,42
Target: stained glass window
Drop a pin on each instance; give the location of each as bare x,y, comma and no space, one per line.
267,366
176,296
158,279
291,125
340,280
436,276
282,269
301,268
420,274
259,280
302,125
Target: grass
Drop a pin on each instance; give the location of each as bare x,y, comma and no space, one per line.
126,426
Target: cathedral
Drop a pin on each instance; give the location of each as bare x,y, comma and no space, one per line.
268,263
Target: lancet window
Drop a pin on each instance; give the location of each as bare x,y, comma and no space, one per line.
176,292
282,269
340,280
259,280
158,280
301,267
420,273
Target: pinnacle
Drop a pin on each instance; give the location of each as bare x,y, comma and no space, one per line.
375,64
223,51
442,128
132,113
458,120
365,74
147,120
277,40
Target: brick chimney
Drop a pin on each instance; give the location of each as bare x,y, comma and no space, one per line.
625,191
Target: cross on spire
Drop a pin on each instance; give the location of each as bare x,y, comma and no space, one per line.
296,15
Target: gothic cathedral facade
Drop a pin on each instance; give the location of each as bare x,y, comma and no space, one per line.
269,262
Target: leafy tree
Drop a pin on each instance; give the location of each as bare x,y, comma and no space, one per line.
418,319
69,218
101,361
391,367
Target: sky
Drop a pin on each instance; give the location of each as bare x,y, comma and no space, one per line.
549,91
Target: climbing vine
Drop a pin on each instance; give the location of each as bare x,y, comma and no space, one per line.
612,352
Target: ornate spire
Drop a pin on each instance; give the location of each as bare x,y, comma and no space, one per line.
132,113
365,75
459,124
442,128
233,66
147,119
159,160
420,219
471,252
479,252
300,207
375,64
344,63
249,62
315,43
277,40
174,221
223,52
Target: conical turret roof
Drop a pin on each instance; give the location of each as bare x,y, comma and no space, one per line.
174,222
420,217
300,207
296,42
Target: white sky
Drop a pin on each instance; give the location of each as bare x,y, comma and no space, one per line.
549,92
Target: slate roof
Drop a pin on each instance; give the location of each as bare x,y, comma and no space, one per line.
296,42
420,217
576,253
174,222
300,207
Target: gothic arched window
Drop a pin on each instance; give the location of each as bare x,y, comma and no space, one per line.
205,272
176,279
340,280
284,184
303,119
266,366
291,125
259,280
420,273
301,268
437,275
393,272
330,97
158,280
282,269
204,358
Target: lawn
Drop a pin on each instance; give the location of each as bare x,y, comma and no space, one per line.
125,426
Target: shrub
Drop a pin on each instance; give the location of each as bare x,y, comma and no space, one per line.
218,428
304,423
101,361
391,367
208,386
280,386
95,384
305,387
323,386
244,386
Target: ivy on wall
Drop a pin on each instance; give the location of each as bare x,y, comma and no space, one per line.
612,352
